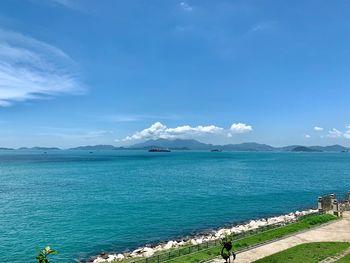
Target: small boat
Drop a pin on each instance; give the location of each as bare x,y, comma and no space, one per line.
159,150
216,150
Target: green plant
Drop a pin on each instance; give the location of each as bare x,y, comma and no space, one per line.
43,254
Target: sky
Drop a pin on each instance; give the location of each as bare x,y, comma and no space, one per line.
220,71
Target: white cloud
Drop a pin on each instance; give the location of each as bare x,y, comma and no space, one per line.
347,134
316,128
185,6
240,128
263,26
307,136
158,130
32,69
76,134
334,133
70,4
66,3
135,117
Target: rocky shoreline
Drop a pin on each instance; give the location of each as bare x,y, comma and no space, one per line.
148,251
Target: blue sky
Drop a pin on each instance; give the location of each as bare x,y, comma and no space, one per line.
224,71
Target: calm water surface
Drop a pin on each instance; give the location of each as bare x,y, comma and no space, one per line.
82,203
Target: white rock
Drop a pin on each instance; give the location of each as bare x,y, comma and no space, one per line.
220,233
235,230
99,260
169,245
147,252
253,225
111,258
181,243
120,257
158,248
199,241
193,242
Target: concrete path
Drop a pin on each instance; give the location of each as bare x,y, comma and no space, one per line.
336,257
338,231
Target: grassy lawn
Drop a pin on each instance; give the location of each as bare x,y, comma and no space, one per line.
306,253
303,224
345,259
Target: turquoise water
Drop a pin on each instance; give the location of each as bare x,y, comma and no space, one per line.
82,204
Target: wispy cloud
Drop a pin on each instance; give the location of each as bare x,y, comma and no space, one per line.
186,7
70,4
32,69
76,134
263,26
136,117
240,128
334,133
317,128
159,130
307,136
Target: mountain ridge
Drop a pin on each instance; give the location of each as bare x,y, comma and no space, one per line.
191,144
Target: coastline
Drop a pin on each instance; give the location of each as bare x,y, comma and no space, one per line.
162,247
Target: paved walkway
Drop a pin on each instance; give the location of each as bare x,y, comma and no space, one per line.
336,257
338,231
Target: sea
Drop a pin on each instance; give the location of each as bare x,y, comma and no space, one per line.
82,203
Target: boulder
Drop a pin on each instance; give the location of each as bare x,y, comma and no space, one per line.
193,242
111,258
99,260
147,252
181,243
199,241
169,245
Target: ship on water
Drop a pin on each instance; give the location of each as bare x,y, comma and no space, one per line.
158,150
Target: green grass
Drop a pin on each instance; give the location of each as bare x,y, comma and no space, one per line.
306,253
303,224
345,259
241,241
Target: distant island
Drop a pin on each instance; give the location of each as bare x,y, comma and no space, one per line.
304,149
187,144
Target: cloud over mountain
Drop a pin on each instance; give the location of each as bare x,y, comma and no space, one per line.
240,128
159,130
335,133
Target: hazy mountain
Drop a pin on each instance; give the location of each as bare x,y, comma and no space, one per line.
249,146
39,148
188,144
304,149
173,144
331,148
5,149
196,145
97,147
